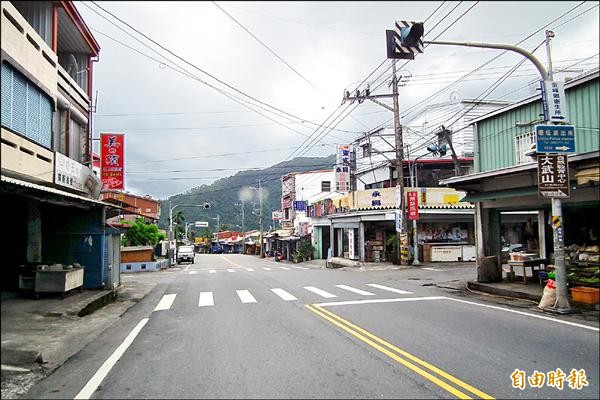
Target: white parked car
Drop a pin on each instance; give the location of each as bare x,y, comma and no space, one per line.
185,253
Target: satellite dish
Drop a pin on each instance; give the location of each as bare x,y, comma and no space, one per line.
455,97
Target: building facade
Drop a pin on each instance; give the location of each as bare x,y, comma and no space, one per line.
46,158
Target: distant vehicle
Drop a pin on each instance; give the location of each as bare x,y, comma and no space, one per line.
185,253
216,250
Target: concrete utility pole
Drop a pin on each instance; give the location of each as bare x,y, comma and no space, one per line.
402,253
243,231
562,304
260,201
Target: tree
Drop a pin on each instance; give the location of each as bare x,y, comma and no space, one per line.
142,233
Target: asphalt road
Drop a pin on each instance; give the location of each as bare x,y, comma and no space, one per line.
235,326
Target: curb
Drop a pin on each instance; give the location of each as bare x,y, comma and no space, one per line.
502,292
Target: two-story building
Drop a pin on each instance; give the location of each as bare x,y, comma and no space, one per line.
505,177
49,190
132,206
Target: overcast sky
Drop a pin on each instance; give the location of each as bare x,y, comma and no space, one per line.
174,122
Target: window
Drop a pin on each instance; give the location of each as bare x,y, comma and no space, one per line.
325,186
128,266
523,143
39,16
25,109
366,150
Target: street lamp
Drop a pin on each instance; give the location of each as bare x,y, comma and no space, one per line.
205,206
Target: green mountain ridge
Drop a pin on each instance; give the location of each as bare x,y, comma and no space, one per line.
223,195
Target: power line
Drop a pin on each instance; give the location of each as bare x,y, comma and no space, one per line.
187,62
267,47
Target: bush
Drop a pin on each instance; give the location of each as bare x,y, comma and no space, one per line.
142,234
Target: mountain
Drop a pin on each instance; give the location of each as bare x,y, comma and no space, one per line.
224,194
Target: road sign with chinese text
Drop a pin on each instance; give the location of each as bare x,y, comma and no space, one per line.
555,138
554,101
553,176
112,165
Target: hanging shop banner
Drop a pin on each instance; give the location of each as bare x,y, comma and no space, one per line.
413,205
112,160
277,215
342,168
351,252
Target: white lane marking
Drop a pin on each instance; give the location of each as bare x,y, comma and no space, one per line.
283,294
212,271
230,270
245,296
206,299
286,268
193,272
267,269
355,290
14,369
90,387
593,328
188,267
346,303
301,267
320,292
432,269
166,302
389,289
249,269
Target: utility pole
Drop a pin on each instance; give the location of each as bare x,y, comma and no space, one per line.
402,254
260,201
243,231
562,304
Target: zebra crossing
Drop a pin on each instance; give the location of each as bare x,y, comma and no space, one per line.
245,296
214,271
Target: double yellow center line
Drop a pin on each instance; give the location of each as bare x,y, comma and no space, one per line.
408,360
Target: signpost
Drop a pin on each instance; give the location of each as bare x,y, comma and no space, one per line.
555,139
553,176
554,101
413,205
201,224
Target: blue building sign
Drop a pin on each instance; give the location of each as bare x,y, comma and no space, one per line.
555,138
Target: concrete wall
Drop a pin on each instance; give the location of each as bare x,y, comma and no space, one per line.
149,266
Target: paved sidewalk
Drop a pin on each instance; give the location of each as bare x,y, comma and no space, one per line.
38,336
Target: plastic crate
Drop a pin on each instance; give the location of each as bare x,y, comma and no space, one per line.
584,294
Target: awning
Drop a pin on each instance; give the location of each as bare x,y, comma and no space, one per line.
50,194
499,194
589,174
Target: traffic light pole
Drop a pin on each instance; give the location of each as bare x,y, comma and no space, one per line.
562,304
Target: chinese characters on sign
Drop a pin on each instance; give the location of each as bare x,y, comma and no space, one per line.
342,168
67,172
555,138
300,205
413,205
376,198
277,215
553,101
112,168
553,176
575,380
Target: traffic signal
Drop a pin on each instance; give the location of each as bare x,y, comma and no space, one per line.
411,36
437,150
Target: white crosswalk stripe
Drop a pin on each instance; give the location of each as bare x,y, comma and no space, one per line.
300,267
283,294
249,269
245,296
230,270
193,272
165,302
320,292
212,271
389,289
355,290
206,299
267,269
286,268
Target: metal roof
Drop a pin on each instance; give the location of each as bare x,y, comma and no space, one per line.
34,186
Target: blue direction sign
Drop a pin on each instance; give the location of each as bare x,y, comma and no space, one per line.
555,138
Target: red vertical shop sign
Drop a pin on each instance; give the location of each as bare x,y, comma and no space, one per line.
413,205
112,165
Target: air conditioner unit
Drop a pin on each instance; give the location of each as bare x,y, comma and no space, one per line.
92,183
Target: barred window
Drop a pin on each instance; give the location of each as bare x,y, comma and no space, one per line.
523,143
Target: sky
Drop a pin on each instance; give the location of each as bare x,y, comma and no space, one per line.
188,120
